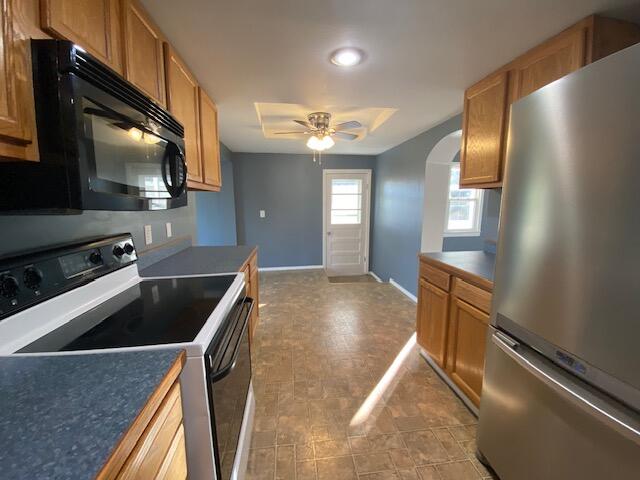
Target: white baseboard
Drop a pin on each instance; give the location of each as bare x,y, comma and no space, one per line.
378,279
403,290
297,267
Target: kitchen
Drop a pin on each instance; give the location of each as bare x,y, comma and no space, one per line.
194,288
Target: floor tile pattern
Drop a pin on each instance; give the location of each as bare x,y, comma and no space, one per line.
342,393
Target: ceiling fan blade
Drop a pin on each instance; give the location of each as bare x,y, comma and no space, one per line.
346,136
347,125
304,123
291,133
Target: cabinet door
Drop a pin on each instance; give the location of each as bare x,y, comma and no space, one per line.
467,341
182,100
210,144
483,132
550,61
16,100
144,60
92,24
433,311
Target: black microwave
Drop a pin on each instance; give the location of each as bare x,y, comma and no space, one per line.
104,145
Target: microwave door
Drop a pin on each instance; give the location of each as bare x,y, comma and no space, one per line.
125,158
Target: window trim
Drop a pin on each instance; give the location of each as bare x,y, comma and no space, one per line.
477,230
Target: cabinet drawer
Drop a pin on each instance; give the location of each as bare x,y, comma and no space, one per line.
477,297
149,454
437,277
174,466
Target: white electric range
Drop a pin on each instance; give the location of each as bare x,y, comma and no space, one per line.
88,298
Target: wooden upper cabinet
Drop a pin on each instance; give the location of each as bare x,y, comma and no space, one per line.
550,61
93,24
183,102
484,127
143,56
433,313
210,144
466,350
486,104
17,122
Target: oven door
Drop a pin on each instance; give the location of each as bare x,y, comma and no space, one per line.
228,362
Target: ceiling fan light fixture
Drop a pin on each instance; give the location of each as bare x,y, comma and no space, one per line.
347,57
327,142
314,143
320,144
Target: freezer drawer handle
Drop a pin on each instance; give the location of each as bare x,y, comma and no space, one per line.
593,406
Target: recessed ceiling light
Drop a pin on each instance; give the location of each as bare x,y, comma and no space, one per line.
347,57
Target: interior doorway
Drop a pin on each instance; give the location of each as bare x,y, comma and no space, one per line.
345,214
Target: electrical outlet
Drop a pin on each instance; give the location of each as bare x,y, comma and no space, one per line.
169,231
148,235
263,214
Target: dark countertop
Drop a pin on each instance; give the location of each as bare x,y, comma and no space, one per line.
201,261
62,416
478,264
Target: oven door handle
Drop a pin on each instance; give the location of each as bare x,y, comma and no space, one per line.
226,369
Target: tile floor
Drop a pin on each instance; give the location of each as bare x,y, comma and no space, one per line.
342,392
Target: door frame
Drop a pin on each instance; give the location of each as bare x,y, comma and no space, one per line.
349,171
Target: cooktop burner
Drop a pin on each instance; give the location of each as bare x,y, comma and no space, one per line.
160,311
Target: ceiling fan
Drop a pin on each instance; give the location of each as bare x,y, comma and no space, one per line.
318,125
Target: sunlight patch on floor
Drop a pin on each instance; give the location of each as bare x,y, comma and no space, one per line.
386,383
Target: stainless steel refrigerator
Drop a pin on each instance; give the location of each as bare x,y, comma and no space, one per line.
561,395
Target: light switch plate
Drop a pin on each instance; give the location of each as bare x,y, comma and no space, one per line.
148,235
169,230
263,214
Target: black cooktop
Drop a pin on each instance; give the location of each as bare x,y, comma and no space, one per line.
171,310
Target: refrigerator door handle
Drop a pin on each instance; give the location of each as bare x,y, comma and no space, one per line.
578,396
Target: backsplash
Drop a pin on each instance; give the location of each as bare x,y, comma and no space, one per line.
23,232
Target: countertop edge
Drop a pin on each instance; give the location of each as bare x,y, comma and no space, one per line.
465,275
253,252
130,437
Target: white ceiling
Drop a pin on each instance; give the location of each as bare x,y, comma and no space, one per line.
421,54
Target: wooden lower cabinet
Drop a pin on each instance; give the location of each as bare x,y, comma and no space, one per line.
252,280
433,308
154,446
466,347
452,326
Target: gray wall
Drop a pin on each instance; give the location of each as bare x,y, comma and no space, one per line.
289,188
32,231
399,185
216,211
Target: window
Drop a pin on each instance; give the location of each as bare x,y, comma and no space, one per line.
346,201
464,208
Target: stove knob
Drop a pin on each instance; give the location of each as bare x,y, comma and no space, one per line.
32,278
9,286
118,251
95,258
128,248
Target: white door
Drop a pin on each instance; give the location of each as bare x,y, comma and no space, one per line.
346,221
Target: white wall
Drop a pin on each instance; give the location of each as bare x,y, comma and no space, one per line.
436,188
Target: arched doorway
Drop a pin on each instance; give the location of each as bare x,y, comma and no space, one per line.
436,184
